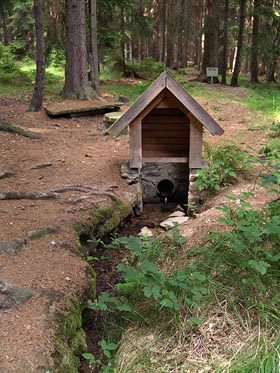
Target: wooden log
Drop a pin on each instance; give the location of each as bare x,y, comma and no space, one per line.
6,127
95,109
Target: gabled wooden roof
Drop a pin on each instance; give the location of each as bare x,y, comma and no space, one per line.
165,83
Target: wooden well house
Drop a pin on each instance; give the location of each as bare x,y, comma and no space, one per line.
165,133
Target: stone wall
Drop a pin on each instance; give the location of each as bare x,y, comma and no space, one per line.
152,173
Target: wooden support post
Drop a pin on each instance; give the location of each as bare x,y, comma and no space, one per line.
135,141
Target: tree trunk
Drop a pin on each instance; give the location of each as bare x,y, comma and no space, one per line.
211,41
38,94
255,43
237,66
225,43
76,76
162,30
123,42
185,33
94,49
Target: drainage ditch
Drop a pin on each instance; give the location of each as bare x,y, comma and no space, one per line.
104,262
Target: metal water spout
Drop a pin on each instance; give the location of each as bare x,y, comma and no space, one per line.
165,190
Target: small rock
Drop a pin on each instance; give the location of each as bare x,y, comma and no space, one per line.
5,304
179,208
169,223
145,231
33,235
12,247
176,214
58,244
42,165
15,293
5,175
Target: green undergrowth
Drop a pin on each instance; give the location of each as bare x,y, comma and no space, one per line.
226,163
120,88
209,308
265,99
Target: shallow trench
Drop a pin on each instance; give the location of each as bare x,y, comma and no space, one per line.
104,265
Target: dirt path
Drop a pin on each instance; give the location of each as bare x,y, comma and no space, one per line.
71,152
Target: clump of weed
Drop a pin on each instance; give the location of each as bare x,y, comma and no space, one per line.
226,163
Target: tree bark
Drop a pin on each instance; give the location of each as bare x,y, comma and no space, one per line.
255,43
211,41
38,94
162,31
76,76
123,64
225,43
237,66
94,49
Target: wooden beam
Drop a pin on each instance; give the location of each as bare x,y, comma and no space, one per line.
166,159
195,154
153,92
188,103
135,143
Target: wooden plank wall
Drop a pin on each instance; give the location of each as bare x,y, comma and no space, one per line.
165,133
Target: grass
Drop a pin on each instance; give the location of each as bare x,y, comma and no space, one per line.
121,88
25,78
265,100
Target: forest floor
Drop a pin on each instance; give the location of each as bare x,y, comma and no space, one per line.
71,157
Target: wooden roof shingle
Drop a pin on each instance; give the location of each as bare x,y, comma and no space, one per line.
165,82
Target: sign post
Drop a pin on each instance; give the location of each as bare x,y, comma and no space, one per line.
212,72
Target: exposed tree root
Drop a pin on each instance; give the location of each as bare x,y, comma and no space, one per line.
6,127
14,194
89,190
54,194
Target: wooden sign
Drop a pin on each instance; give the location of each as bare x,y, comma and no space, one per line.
212,72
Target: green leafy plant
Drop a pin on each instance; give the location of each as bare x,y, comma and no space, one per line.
107,348
226,162
274,129
247,251
184,288
91,359
152,248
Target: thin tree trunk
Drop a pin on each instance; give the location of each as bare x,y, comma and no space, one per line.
94,49
162,30
38,94
225,44
237,66
5,28
123,42
185,33
255,43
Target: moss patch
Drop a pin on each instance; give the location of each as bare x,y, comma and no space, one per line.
102,221
70,340
70,337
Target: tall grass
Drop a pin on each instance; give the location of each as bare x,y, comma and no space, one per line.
265,99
